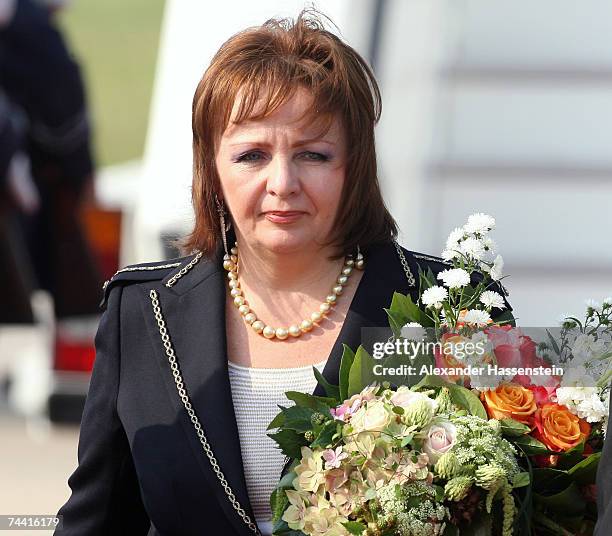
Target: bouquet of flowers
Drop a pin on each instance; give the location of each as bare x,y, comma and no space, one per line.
478,444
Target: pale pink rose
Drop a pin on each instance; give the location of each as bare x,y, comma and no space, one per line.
440,438
404,397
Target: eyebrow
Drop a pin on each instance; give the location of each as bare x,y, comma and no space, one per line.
298,143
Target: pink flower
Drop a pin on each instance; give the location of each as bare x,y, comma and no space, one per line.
344,411
333,457
440,439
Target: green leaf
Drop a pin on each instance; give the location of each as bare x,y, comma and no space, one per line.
571,457
505,317
361,373
331,390
521,479
325,435
431,380
298,418
286,482
403,305
282,529
548,481
512,428
348,356
464,398
290,442
584,472
569,502
278,421
405,440
278,503
531,446
318,403
354,527
396,321
553,343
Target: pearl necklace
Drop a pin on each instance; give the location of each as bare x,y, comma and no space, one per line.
230,263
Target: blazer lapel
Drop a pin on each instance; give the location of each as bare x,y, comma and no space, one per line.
195,322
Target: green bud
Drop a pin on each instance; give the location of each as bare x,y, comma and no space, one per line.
457,488
309,436
488,476
447,465
445,404
418,414
317,418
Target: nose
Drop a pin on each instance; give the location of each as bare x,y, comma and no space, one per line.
283,180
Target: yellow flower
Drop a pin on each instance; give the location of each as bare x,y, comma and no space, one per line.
309,472
294,514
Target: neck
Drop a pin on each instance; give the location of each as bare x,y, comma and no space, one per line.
306,271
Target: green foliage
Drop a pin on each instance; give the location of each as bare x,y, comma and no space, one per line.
348,356
290,442
331,390
361,372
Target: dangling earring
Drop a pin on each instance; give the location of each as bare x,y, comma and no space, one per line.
221,211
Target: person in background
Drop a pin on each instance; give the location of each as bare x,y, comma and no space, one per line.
43,85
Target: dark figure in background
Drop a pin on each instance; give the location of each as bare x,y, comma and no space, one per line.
43,82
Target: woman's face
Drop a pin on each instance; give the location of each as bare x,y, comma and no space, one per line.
282,185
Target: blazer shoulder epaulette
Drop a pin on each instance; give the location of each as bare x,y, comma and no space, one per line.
144,271
429,258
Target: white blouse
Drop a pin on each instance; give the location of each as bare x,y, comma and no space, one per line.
256,394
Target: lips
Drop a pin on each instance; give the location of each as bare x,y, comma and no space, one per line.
281,216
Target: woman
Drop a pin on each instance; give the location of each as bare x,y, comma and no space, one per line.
194,355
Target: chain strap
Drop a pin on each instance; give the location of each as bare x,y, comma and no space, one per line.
180,386
409,274
184,270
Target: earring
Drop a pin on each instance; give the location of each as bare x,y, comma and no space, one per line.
221,211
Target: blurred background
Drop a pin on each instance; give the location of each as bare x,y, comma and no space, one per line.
488,106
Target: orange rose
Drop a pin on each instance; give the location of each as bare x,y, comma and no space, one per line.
445,359
510,401
559,429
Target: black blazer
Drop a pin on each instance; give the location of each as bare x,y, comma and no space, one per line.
142,469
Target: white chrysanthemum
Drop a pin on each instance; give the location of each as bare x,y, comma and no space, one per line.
449,254
434,296
497,268
472,247
413,331
479,223
585,347
455,236
489,244
593,304
490,298
455,277
476,316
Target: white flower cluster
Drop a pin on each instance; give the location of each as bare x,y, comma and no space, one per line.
472,243
579,393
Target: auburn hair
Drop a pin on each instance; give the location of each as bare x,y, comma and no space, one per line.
270,62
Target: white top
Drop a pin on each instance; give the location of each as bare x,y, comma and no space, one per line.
256,394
